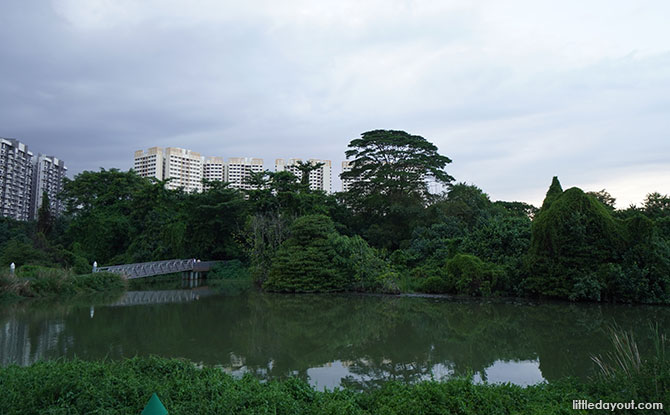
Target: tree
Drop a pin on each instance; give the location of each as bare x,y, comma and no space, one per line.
306,167
656,205
394,163
604,197
44,218
389,189
307,260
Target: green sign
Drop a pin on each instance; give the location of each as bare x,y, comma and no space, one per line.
154,407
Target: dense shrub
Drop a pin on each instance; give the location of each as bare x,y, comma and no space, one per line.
306,261
36,281
572,235
469,275
362,265
229,270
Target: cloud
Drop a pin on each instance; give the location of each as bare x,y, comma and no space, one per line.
513,92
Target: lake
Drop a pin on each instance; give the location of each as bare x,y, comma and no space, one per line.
330,340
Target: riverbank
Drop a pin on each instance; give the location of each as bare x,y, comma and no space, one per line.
42,282
77,386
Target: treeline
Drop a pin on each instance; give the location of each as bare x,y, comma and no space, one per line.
386,234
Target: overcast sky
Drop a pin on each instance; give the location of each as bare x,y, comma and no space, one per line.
514,92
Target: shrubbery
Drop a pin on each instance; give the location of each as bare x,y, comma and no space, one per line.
315,258
76,386
36,281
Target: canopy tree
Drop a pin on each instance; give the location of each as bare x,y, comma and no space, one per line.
389,182
394,163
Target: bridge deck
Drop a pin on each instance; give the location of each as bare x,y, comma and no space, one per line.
148,269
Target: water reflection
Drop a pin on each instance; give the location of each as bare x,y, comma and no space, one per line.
330,340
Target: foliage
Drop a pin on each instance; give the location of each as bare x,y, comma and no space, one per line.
572,235
305,262
604,197
77,386
362,265
36,281
391,163
228,270
388,182
44,217
656,205
469,275
580,251
265,233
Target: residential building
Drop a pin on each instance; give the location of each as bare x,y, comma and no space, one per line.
16,170
214,169
150,163
319,179
239,169
48,175
184,168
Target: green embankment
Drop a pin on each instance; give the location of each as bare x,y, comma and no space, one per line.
37,281
76,386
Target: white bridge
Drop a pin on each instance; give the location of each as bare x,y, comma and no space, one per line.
147,269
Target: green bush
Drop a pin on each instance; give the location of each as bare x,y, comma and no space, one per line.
36,281
470,275
306,262
229,270
362,264
435,285
98,282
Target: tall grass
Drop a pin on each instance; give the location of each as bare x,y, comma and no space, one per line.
624,359
47,282
625,373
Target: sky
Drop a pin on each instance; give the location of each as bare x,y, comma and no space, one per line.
514,92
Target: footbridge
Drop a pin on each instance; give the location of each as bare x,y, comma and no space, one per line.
191,268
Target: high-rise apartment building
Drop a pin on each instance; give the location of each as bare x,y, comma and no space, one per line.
149,163
184,167
16,171
239,169
187,169
319,179
214,169
48,175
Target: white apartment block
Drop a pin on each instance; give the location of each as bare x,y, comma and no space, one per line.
185,168
214,170
149,163
16,171
319,179
48,175
239,169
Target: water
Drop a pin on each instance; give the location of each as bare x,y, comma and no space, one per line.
329,340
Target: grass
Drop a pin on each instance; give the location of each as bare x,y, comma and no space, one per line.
119,387
48,282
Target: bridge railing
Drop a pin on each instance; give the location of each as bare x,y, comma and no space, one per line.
147,269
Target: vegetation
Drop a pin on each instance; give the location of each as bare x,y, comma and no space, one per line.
76,386
37,281
388,233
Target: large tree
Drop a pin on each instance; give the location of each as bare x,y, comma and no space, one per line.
394,163
389,178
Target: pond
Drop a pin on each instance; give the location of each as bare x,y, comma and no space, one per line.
330,340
